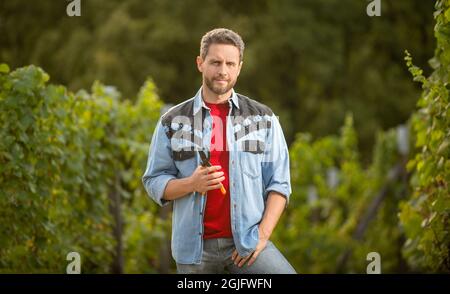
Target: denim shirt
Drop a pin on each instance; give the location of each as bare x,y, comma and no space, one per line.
258,163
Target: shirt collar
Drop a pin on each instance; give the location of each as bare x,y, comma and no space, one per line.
199,103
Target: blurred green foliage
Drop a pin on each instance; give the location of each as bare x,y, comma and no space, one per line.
332,194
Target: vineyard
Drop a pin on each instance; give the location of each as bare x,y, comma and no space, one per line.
70,177
71,165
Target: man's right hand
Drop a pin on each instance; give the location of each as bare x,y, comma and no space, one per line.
206,178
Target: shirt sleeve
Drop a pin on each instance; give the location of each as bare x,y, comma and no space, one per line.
160,166
275,165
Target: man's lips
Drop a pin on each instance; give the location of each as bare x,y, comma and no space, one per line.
221,81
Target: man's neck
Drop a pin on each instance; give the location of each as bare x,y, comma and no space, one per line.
213,98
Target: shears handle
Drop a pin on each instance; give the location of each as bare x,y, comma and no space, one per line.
222,189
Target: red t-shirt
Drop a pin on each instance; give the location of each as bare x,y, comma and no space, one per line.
217,223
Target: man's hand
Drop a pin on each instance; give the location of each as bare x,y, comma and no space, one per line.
206,178
240,261
274,207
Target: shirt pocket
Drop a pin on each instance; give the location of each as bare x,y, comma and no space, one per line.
185,161
251,157
183,154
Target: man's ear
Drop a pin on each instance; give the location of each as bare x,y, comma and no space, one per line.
199,61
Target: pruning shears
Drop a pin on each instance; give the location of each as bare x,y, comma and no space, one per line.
207,163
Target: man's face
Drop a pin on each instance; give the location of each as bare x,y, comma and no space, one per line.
220,68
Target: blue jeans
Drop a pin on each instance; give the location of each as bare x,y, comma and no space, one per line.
216,259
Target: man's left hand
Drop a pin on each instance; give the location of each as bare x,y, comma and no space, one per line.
240,261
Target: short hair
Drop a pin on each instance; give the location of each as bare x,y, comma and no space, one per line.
221,36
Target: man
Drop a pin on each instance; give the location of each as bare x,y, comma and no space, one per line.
223,214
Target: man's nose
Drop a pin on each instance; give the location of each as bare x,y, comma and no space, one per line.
223,69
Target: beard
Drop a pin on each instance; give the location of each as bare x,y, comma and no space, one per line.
219,89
